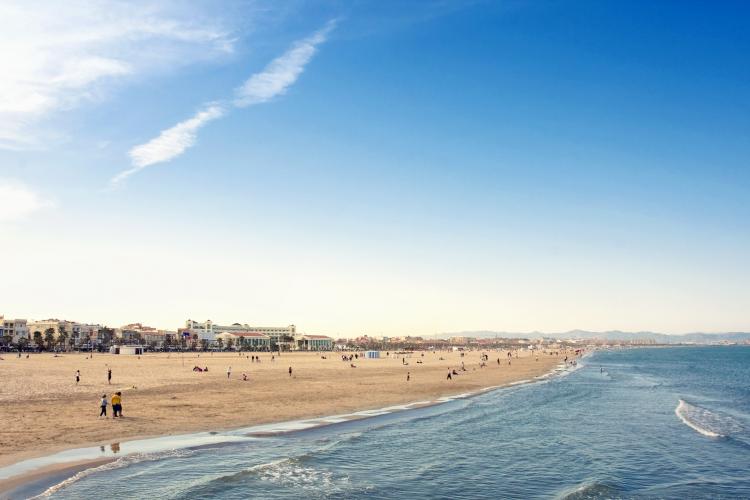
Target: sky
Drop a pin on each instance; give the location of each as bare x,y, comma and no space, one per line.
382,168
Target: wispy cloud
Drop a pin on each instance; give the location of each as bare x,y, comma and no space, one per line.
58,54
261,87
19,201
282,72
171,143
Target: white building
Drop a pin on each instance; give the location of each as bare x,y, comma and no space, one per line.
208,330
313,343
82,334
126,349
254,341
15,329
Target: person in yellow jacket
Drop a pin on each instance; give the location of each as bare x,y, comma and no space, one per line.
117,404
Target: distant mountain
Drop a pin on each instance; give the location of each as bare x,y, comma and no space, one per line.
612,335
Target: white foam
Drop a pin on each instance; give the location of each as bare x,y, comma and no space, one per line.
117,464
519,382
291,472
684,411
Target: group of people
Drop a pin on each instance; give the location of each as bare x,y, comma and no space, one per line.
116,405
109,376
244,375
103,402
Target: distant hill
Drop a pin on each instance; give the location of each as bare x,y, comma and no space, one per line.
612,335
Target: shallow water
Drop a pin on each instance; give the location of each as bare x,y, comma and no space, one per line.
640,423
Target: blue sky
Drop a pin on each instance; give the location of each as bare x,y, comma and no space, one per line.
378,167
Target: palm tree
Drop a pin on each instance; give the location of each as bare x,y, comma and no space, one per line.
106,335
62,335
38,339
49,337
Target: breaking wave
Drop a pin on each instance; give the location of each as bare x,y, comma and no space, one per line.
120,463
590,491
706,422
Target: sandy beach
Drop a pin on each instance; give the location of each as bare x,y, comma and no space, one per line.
44,410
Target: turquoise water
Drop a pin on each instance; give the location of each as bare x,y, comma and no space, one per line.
640,423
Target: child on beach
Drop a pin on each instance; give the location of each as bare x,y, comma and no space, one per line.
103,405
78,376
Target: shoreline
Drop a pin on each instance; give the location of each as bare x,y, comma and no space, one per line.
163,395
34,473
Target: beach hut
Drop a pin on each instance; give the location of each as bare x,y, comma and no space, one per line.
126,349
372,354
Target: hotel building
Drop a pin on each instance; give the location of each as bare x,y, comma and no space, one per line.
208,331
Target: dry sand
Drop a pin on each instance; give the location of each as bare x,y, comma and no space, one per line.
43,410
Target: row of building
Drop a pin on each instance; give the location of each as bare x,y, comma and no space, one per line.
206,335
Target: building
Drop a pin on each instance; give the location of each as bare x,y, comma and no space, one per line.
137,333
78,334
208,331
13,330
252,341
126,349
313,343
85,334
56,325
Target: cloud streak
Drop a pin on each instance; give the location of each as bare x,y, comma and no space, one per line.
171,143
261,87
282,72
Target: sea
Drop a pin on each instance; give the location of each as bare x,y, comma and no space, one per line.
629,423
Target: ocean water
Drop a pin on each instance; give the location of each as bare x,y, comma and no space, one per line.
638,423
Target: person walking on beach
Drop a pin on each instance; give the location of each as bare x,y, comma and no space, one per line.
450,377
109,375
290,371
117,405
78,376
408,376
103,405
229,372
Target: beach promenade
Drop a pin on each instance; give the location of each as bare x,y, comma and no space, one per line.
43,410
